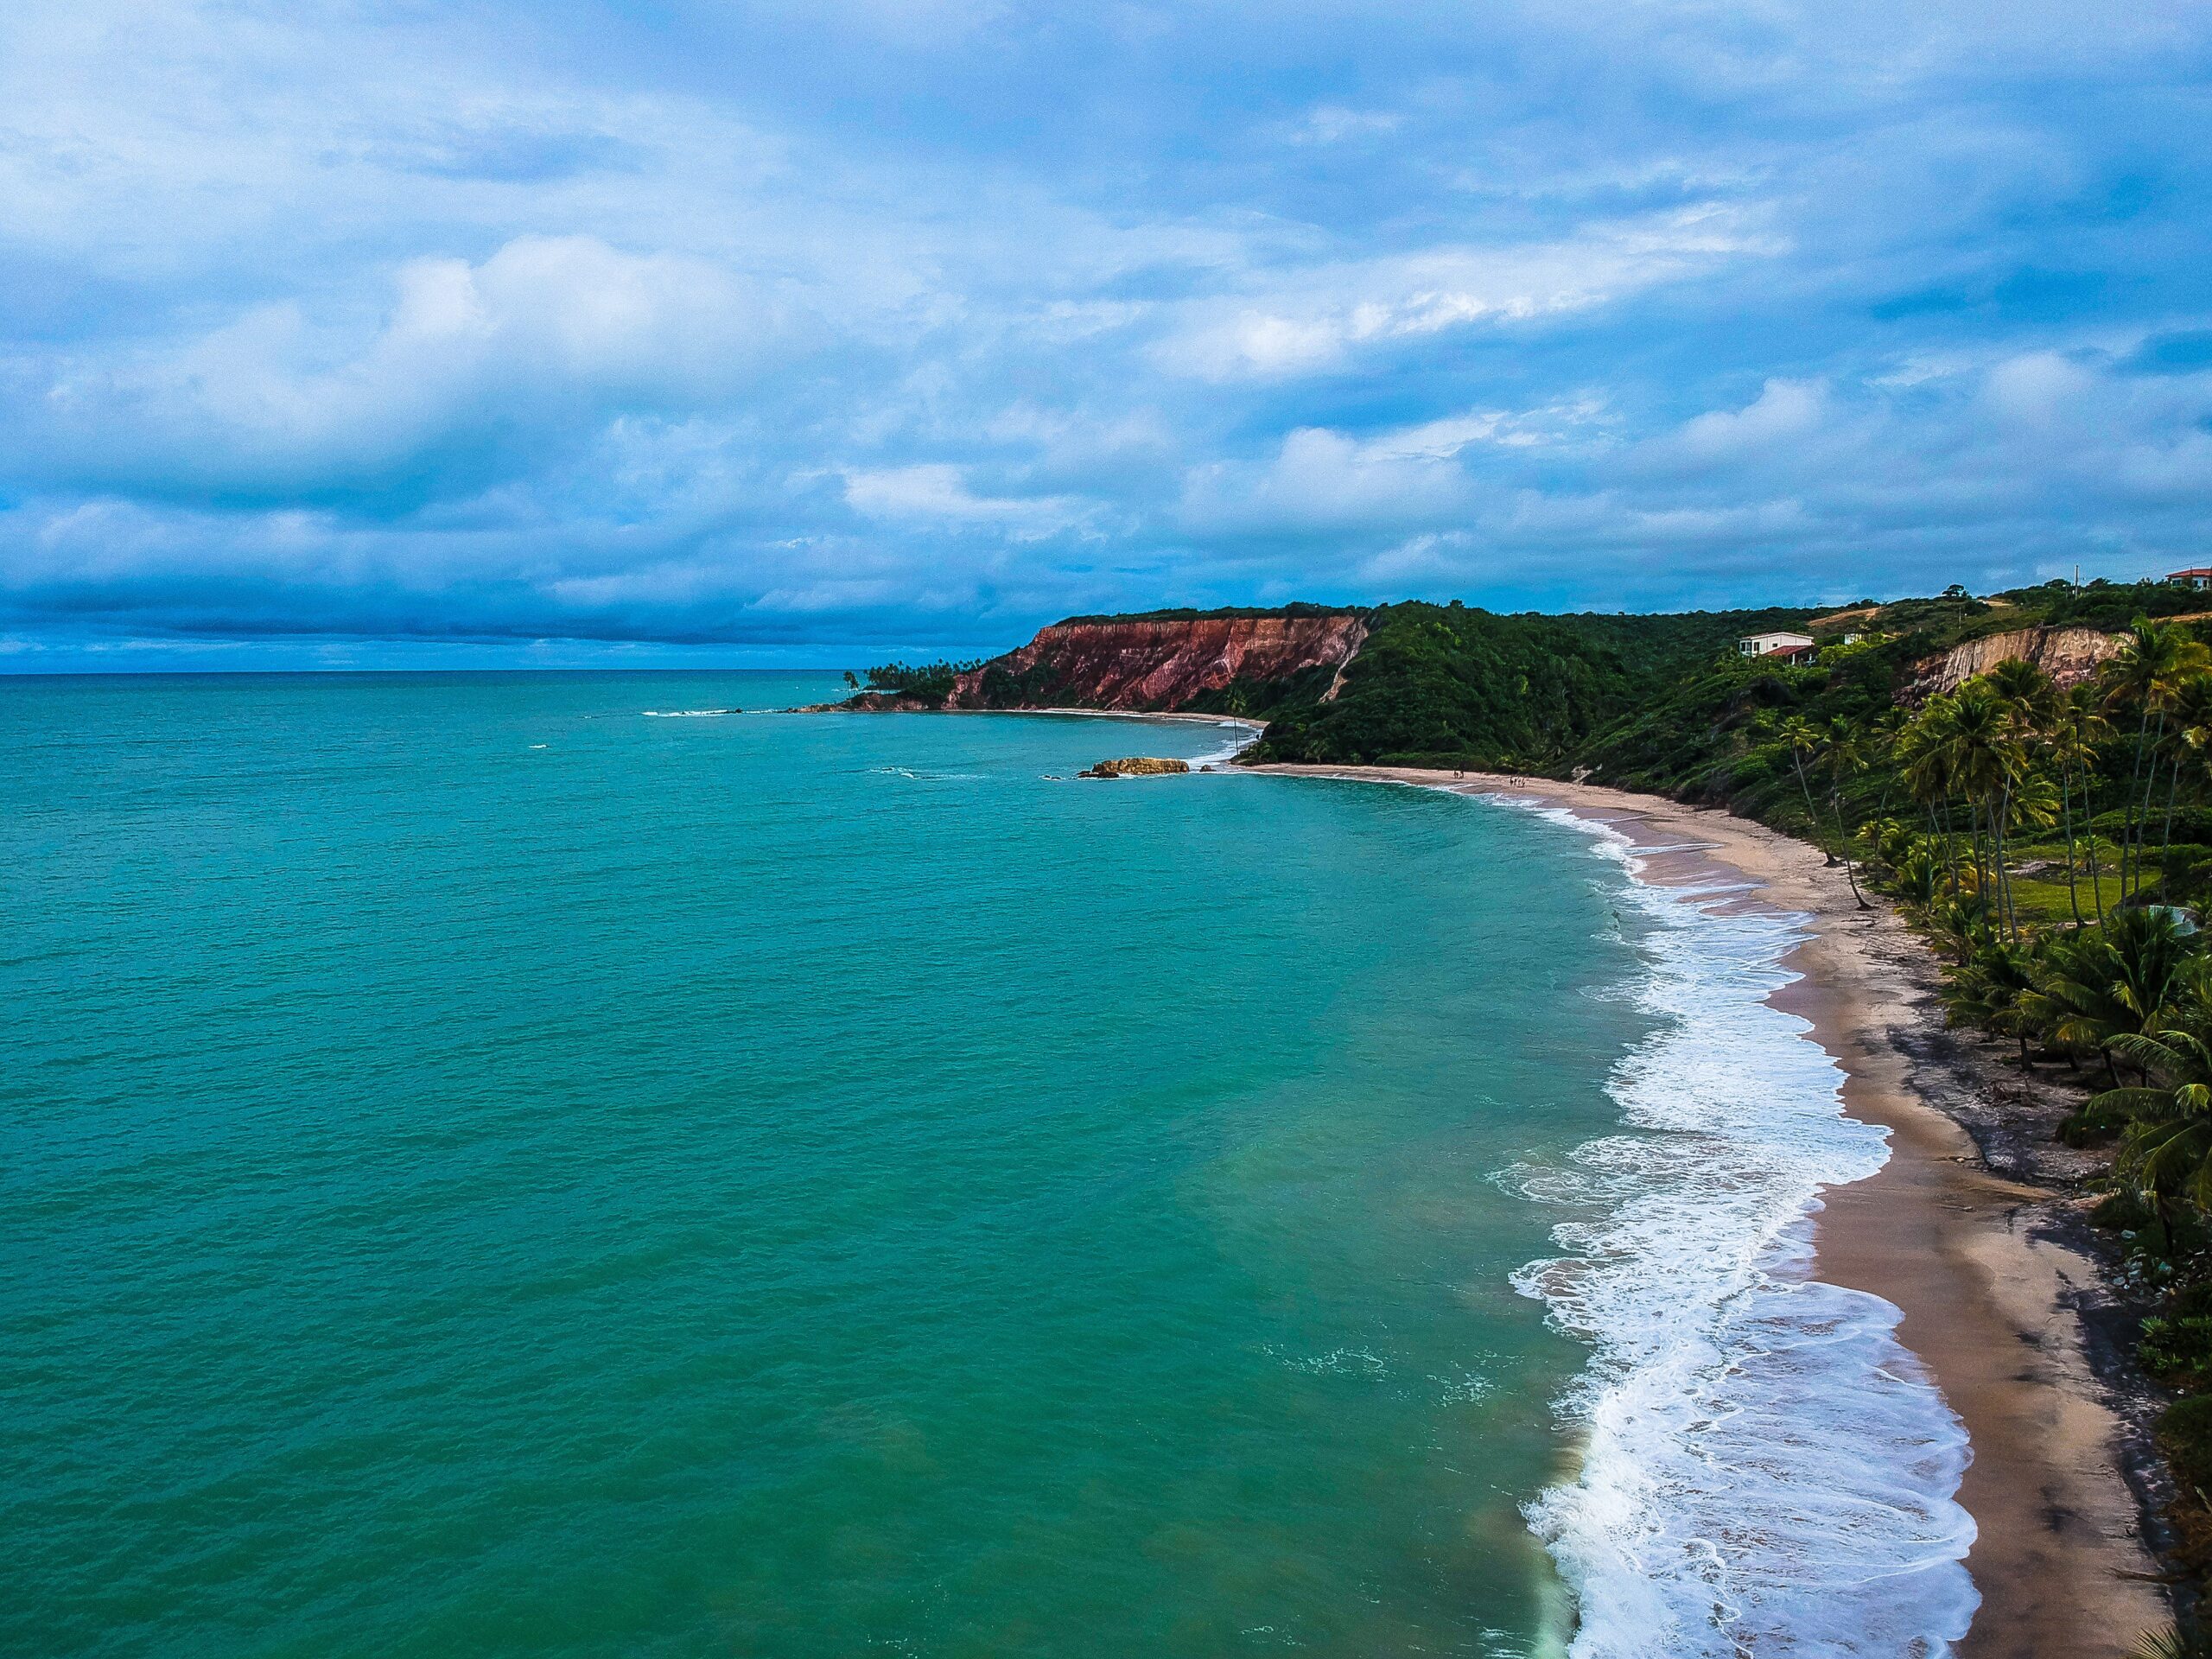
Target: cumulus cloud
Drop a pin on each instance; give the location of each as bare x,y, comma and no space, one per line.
278,401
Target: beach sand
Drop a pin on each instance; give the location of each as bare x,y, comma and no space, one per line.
2000,1300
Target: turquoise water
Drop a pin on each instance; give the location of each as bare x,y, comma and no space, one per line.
488,1171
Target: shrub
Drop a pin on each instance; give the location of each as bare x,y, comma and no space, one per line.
2122,1212
2191,824
2080,1130
2177,1351
2185,1432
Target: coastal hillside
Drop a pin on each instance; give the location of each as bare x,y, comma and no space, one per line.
1663,702
1669,702
1232,662
1453,685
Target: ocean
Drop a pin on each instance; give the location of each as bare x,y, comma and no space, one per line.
551,1165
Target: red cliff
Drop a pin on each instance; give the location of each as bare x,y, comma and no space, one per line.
1158,663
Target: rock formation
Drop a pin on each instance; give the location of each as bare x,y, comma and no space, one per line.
1159,662
2070,656
1137,765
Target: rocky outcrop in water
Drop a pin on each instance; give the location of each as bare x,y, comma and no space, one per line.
1164,663
2070,656
871,703
1137,765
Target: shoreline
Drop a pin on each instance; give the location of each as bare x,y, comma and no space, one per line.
1162,716
1998,1296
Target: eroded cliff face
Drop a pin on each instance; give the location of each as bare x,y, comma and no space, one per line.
1158,663
2070,656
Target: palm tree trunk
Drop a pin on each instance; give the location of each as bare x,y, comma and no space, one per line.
2096,878
2166,835
2066,817
2149,789
1998,819
1835,804
1812,812
2135,776
1942,833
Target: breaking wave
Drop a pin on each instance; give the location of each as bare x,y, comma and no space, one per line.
1244,735
1766,1470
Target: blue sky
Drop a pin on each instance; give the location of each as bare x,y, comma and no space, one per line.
576,333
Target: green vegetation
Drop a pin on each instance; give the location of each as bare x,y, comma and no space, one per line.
1448,685
930,683
1659,703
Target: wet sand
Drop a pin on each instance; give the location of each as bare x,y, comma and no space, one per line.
1991,1290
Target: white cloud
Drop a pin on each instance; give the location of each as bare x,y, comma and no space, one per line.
544,323
936,494
1331,124
1784,413
1324,318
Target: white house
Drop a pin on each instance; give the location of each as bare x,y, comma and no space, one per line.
2197,578
1787,647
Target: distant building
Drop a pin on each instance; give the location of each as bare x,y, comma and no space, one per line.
1778,647
2200,578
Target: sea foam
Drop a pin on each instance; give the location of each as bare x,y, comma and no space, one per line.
1766,1470
1244,735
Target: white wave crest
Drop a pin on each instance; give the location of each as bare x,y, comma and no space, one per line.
1766,1470
690,713
1244,735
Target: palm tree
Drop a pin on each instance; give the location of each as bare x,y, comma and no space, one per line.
1848,751
2079,730
2030,698
1964,920
1989,989
1884,843
1919,878
1804,739
2028,692
1985,757
1925,755
2191,716
2167,1151
2153,660
2103,984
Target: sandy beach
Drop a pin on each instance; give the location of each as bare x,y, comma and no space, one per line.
2000,1299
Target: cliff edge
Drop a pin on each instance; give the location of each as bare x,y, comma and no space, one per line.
1220,662
2070,656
